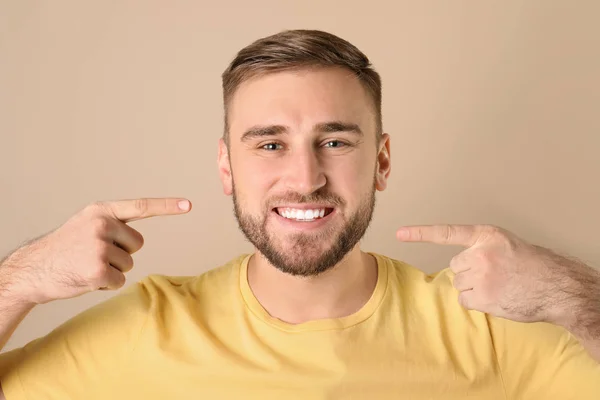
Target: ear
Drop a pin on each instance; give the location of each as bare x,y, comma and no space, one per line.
384,163
225,168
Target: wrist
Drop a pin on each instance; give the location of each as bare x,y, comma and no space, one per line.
12,288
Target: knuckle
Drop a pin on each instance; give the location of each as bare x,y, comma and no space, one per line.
95,274
490,227
100,225
506,242
493,231
141,205
101,249
446,233
417,235
95,208
486,276
489,289
91,207
486,289
481,257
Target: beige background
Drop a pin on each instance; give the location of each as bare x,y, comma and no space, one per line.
492,107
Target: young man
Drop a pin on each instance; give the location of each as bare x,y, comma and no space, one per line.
308,315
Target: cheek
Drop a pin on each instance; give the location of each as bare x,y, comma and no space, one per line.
252,182
353,176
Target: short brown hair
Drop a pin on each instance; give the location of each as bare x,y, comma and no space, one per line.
294,49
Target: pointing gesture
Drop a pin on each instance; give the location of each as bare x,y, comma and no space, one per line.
503,275
91,250
462,235
132,210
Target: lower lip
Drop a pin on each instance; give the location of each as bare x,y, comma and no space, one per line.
303,225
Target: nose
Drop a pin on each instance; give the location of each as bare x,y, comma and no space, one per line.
304,172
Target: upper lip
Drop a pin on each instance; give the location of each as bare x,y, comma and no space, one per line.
305,206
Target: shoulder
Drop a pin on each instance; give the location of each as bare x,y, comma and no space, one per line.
409,278
100,340
125,313
158,287
166,298
430,299
435,292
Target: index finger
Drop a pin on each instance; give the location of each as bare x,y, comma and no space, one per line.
133,210
460,235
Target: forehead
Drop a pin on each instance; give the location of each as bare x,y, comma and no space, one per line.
301,99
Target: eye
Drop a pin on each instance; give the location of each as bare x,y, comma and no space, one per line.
271,146
335,144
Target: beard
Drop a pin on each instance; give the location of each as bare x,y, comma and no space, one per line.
306,254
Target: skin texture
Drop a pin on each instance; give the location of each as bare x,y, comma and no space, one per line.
503,275
294,143
305,165
90,251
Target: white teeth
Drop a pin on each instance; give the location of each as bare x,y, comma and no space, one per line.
301,215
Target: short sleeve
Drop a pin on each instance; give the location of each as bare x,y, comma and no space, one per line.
543,361
80,357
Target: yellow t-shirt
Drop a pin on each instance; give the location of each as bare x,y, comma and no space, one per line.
207,337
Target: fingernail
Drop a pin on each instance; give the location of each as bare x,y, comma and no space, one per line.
402,234
184,205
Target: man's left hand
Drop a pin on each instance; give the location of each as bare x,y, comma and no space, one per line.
505,276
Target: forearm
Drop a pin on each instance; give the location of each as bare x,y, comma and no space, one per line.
13,308
11,315
583,313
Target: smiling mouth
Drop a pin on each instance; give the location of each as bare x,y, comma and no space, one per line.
305,215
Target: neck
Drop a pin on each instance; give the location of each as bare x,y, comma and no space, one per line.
336,293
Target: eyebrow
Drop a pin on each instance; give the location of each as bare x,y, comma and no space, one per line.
259,131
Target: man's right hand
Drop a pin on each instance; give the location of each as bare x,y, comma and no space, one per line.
92,250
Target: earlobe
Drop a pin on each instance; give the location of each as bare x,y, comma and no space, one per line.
224,168
384,163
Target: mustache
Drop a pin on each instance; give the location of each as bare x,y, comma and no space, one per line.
320,196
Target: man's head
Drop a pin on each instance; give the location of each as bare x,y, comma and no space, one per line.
303,150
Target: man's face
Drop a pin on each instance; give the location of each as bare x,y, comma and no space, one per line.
303,165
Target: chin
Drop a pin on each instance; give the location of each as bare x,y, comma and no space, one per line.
306,261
